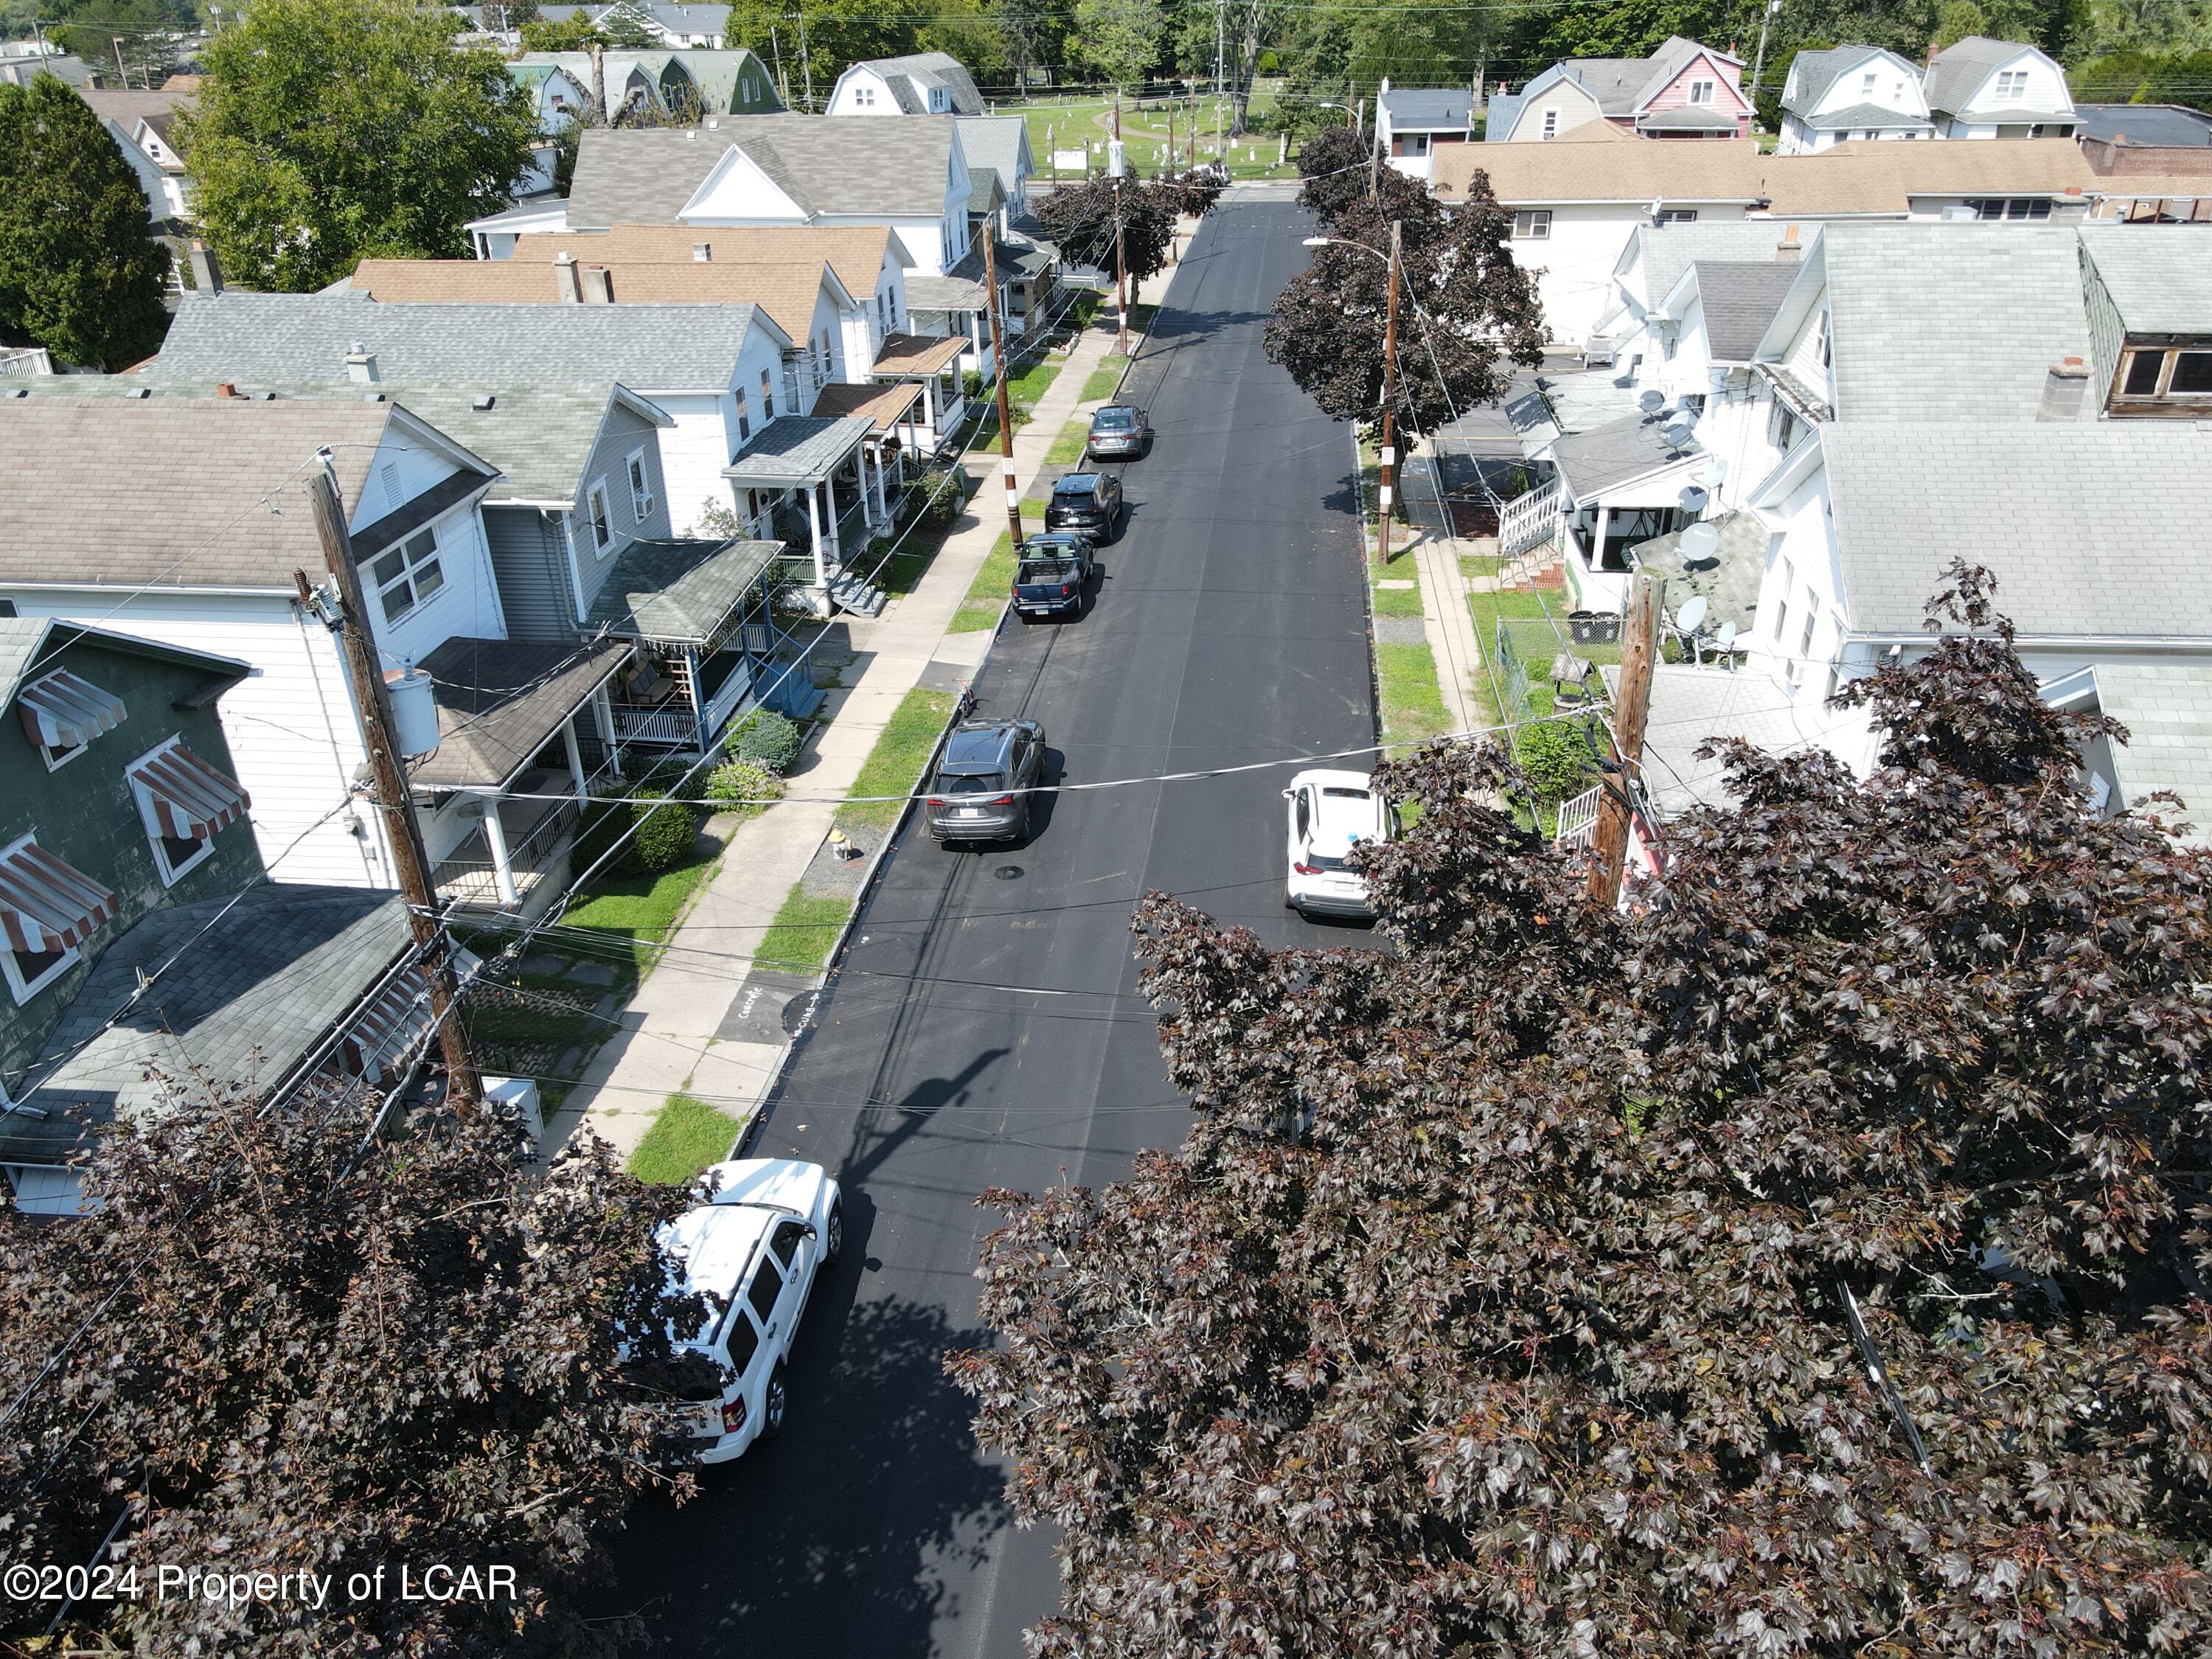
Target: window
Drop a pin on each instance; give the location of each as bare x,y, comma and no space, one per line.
1866,84
641,487
760,1295
2012,83
1804,639
1781,425
1532,225
745,419
30,972
2193,374
407,574
1782,603
2013,207
785,1240
1820,336
183,805
1678,216
768,397
1551,124
822,348
744,1340
1701,92
2167,373
603,520
864,96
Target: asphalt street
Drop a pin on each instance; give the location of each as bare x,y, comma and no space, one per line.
985,1030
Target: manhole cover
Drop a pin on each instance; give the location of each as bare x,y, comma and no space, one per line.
1008,872
798,1012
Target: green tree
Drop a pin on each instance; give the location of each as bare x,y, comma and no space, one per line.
328,129
1517,1290
79,272
574,32
1120,39
145,33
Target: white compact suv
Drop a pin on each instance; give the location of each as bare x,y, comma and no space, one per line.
1328,812
756,1243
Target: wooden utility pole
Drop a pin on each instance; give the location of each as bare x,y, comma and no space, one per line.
1639,649
389,771
806,61
1375,158
1121,258
1005,414
1390,396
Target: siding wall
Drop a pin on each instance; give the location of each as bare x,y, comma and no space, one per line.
466,606
2105,332
625,431
528,554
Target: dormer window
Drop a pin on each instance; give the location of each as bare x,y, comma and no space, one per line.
2012,83
1866,85
2159,379
1701,92
62,714
864,96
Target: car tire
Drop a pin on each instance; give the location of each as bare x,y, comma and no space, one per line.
833,1234
776,1403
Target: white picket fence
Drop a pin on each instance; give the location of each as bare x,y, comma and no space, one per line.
1578,819
22,364
1530,520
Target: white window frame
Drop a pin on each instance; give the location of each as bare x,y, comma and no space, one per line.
1532,224
2012,84
19,987
640,485
597,510
170,873
1866,86
864,95
1678,216
1551,124
412,565
768,398
1701,92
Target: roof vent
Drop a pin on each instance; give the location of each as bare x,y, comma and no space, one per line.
691,134
713,122
265,396
702,252
361,365
373,397
19,391
140,391
482,401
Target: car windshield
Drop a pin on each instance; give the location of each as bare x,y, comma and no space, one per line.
1114,420
1077,484
988,783
1325,861
1045,572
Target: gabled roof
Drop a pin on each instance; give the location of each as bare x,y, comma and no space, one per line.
911,78
1812,73
127,107
996,144
1740,299
1622,85
2071,518
796,449
1617,168
1955,74
715,73
834,167
296,339
856,253
685,19
1654,258
2159,277
28,646
1864,116
539,436
502,700
1419,108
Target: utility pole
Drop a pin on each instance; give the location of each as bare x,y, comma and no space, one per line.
782,84
1221,35
1118,164
1390,396
806,61
387,769
1639,647
1375,160
1005,414
122,74
1758,63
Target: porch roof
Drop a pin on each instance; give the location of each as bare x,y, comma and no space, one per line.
1689,705
882,406
925,292
1607,458
502,700
272,972
917,354
1727,578
797,449
679,592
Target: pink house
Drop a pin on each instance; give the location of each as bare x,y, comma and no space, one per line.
1683,90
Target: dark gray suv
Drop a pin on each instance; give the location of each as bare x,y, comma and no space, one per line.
980,791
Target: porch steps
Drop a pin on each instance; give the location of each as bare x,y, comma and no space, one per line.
794,693
861,597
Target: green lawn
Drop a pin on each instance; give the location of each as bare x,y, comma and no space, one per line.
988,593
1067,448
1398,601
1064,122
1105,379
805,928
1412,701
637,910
895,762
686,1136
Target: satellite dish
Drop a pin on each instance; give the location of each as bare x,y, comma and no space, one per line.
1715,469
1700,541
1727,638
1693,498
1652,401
1691,614
1677,433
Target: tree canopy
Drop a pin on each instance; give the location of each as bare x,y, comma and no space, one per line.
277,1346
1468,313
330,130
1081,218
1811,1261
79,272
1120,40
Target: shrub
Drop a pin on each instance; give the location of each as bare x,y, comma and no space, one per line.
743,783
1556,760
768,739
668,833
972,384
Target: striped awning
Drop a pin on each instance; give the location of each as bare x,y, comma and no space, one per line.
61,711
45,905
191,799
385,1032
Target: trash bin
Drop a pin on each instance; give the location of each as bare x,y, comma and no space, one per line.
1594,627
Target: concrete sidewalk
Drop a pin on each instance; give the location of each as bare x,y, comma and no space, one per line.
1450,627
695,1024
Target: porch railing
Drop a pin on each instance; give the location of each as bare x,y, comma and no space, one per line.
1530,520
1578,820
18,364
664,723
469,876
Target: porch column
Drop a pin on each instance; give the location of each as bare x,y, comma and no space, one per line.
575,757
868,496
929,408
883,506
1597,540
502,868
814,524
829,512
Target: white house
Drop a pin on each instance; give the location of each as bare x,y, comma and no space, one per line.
1851,91
1683,90
142,123
998,146
1978,88
1411,122
921,83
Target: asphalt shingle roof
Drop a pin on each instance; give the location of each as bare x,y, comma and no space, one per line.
786,291
1691,704
1812,73
1868,116
296,339
2159,276
797,446
502,700
1687,117
1415,108
680,590
1955,74
263,984
1662,252
1740,300
2167,709
834,166
538,437
912,75
177,492
856,253
2079,521
993,141
1595,461
1952,322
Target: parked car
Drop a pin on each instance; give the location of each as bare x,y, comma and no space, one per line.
1329,811
1090,502
1054,575
980,791
1119,432
769,1226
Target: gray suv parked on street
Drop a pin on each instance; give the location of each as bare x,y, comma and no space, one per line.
979,792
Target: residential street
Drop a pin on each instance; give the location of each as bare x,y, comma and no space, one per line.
985,1030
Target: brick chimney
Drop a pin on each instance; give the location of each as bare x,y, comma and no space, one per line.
1788,251
564,277
361,365
207,274
2063,388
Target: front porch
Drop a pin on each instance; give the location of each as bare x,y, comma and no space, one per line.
834,466
931,366
1620,486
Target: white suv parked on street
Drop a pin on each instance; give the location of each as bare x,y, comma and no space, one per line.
766,1228
1328,812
